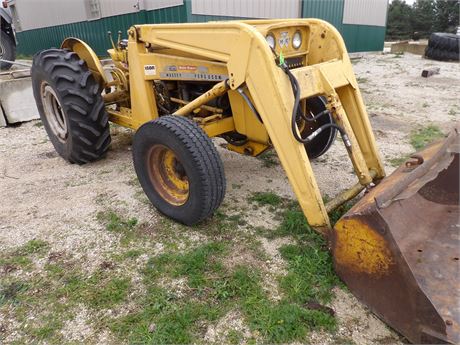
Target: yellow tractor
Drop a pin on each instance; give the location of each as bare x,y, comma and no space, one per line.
286,84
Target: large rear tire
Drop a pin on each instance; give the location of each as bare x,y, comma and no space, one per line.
7,50
443,47
321,144
70,105
179,168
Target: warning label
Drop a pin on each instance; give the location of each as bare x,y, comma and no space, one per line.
150,70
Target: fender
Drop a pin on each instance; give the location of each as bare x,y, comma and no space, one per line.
85,53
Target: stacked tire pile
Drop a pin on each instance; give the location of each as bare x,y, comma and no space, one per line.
443,47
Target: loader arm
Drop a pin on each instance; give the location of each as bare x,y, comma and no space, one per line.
250,62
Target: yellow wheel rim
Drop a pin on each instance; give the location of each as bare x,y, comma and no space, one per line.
168,175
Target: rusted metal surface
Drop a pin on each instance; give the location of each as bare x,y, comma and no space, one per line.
397,249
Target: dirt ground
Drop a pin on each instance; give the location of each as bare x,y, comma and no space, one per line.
43,197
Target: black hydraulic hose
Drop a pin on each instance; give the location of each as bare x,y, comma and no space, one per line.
314,117
249,103
296,88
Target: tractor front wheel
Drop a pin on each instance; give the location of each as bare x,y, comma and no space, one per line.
179,168
70,105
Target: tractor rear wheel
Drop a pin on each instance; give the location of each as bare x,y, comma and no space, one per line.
179,168
7,50
70,105
325,139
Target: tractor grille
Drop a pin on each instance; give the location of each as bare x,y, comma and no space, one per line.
294,62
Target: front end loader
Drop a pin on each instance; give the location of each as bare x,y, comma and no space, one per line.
286,84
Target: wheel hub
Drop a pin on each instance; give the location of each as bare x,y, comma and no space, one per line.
168,175
53,112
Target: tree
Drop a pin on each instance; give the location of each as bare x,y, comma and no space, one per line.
399,20
423,16
446,15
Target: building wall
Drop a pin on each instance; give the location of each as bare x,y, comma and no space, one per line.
94,32
248,8
91,19
348,17
37,14
365,12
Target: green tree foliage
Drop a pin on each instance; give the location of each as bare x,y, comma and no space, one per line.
423,17
399,23
446,17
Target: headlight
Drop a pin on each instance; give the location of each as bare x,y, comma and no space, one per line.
297,40
270,40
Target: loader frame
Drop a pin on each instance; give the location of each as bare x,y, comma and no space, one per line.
237,57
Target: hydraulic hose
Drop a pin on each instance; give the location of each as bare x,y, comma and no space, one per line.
296,89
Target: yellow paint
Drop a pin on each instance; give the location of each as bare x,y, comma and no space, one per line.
360,248
250,148
85,53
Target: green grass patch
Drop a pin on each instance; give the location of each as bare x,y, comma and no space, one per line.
115,223
10,292
424,136
311,274
396,162
22,256
269,158
193,264
108,294
336,214
33,247
24,57
210,292
265,198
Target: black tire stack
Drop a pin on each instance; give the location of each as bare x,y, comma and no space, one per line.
443,47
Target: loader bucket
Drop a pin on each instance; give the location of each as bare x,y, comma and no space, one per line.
398,248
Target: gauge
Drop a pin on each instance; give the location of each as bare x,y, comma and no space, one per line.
297,40
270,40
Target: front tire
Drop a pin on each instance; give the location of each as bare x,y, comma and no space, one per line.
70,105
7,50
179,168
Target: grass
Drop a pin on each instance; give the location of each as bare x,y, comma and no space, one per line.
23,57
117,224
269,158
424,136
21,257
419,139
52,294
183,289
265,198
210,290
396,162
